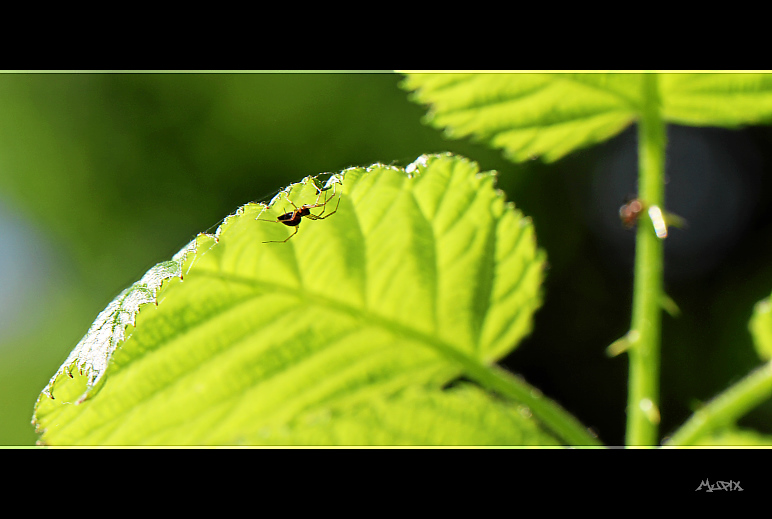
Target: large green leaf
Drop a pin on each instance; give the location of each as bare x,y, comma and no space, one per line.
413,278
550,115
727,100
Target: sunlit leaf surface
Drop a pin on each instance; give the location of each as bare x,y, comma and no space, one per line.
529,115
549,115
356,321
727,100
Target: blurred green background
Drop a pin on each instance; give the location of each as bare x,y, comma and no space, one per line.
104,175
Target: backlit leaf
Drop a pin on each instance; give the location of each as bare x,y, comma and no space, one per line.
411,277
529,115
549,115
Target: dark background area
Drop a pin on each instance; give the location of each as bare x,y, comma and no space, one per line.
104,175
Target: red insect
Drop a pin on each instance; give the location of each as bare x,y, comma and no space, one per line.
630,212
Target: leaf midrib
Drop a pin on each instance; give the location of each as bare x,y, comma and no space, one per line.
445,349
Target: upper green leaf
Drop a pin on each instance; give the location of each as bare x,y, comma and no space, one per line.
550,115
528,115
727,100
411,278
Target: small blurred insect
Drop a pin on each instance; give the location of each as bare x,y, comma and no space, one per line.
292,218
629,212
632,209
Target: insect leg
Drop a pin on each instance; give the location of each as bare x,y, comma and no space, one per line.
288,237
320,217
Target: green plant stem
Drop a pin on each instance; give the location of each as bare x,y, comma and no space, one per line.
493,378
643,396
726,408
568,428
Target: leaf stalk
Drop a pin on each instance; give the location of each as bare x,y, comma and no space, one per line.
725,409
